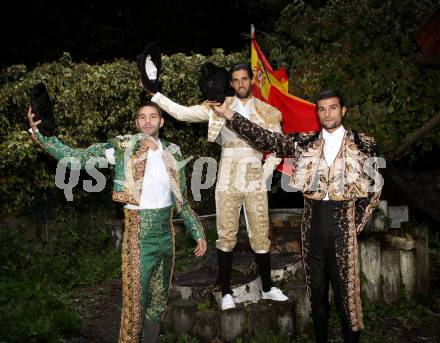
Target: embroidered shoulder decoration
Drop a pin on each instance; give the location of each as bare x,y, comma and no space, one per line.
366,144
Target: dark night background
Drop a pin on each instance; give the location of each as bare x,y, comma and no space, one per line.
37,32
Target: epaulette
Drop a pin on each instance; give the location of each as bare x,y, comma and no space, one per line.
173,149
366,144
270,114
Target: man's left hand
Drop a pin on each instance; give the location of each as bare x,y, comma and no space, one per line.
33,124
201,247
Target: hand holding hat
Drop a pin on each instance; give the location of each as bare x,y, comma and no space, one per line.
42,108
213,82
149,64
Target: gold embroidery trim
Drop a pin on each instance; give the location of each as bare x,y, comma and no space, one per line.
131,321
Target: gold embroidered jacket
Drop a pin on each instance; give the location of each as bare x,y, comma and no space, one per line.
131,155
353,175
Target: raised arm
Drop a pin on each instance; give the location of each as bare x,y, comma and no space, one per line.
54,147
191,114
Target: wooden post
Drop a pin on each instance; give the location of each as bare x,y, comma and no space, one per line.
422,260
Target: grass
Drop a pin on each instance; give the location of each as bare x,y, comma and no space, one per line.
36,277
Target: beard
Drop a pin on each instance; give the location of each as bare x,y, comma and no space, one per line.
331,125
152,132
244,95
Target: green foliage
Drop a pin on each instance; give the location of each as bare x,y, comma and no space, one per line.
35,278
366,49
33,311
91,103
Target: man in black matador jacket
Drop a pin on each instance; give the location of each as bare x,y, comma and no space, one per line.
336,170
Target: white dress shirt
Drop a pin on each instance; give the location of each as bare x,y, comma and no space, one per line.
226,133
332,145
156,191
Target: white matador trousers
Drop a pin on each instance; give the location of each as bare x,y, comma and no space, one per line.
241,182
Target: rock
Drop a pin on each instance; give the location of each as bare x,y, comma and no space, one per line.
285,317
232,323
248,290
297,292
207,326
369,251
390,271
259,319
408,272
184,316
167,324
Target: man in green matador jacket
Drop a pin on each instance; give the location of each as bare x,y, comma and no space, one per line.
149,180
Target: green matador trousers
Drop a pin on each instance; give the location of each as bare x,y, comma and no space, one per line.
147,267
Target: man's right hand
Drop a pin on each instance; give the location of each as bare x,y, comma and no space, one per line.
221,110
148,92
151,144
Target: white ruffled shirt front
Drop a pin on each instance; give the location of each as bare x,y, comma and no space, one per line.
156,191
332,145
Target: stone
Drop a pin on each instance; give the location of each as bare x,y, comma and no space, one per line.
232,323
167,324
285,266
390,272
369,251
378,220
207,326
258,318
297,292
398,215
245,292
184,316
285,317
409,272
196,284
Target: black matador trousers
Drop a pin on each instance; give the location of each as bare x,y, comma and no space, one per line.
324,270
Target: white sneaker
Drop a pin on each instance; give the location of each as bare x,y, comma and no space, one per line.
228,302
274,294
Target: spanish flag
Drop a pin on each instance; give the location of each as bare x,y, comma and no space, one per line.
272,86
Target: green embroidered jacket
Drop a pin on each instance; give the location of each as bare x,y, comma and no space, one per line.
131,155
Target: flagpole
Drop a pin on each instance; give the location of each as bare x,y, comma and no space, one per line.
258,52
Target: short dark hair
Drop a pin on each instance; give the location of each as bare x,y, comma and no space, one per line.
241,66
329,93
151,104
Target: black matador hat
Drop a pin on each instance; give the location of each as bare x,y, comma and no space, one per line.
213,82
149,60
42,108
